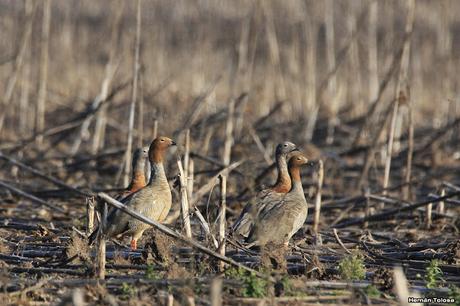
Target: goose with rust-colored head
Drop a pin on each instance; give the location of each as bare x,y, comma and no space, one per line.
153,201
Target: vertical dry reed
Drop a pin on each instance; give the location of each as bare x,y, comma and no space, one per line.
318,196
101,117
407,190
403,70
42,91
184,199
12,80
372,51
222,217
216,291
132,108
441,205
90,205
101,244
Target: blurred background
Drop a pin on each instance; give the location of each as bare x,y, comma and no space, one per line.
327,63
274,50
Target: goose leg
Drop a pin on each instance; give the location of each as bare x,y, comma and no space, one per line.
133,244
136,236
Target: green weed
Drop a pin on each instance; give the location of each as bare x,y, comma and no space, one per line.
150,273
352,268
433,276
454,293
253,286
127,290
372,291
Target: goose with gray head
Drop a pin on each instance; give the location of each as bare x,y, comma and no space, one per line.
278,222
244,223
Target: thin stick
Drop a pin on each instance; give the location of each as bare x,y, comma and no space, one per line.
239,116
373,51
207,140
172,233
212,182
222,217
133,95
395,211
386,177
337,238
190,178
216,291
260,145
310,74
275,55
9,90
24,108
41,100
330,55
184,200
369,210
197,106
170,300
401,287
372,148
155,129
402,77
101,120
90,215
229,134
429,210
140,116
190,300
101,243
407,192
205,226
38,173
95,106
186,153
30,197
355,87
441,203
383,85
318,196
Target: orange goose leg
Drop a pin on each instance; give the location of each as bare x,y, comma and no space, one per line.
133,244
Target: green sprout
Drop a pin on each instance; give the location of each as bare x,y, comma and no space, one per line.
352,268
253,286
433,275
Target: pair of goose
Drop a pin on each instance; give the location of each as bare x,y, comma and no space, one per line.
272,217
152,200
277,213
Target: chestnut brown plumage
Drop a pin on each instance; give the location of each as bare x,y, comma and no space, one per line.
281,219
243,224
138,179
153,200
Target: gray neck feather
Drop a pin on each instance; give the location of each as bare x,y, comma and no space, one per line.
297,188
157,173
282,164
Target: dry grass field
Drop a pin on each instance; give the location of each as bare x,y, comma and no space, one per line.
368,90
